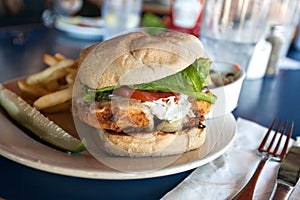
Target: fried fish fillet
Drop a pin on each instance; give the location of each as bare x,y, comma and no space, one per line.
132,115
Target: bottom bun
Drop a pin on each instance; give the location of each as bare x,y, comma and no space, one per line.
152,144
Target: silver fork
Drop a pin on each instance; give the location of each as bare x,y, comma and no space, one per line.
267,154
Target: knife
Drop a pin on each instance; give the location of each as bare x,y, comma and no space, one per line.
288,175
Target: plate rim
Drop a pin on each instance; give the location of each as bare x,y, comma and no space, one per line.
41,164
79,31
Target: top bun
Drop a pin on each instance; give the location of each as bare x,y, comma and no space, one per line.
137,57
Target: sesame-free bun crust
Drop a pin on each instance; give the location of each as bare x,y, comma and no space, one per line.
152,144
137,57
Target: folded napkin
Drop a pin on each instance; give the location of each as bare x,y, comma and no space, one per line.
223,177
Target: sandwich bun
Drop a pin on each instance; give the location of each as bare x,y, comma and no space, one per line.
137,58
152,144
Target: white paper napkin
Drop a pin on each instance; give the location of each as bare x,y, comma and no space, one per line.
223,177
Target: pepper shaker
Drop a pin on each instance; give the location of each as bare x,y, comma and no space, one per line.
276,38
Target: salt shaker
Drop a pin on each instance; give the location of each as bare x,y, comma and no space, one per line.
276,38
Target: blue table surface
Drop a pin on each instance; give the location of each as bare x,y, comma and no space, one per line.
21,50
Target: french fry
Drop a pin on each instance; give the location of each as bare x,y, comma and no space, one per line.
51,73
58,108
70,77
52,85
31,91
50,90
50,60
59,56
53,99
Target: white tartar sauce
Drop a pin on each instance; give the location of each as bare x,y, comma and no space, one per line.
171,108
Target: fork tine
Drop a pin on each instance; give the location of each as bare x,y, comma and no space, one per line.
274,136
262,144
284,150
280,138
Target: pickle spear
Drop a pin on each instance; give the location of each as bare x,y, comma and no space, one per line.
30,118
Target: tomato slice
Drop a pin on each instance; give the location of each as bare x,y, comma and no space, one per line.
142,95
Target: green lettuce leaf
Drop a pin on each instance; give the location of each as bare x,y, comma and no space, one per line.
189,81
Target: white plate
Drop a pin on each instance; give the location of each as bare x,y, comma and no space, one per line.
19,147
81,27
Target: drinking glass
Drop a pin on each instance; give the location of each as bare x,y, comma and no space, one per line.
120,16
231,28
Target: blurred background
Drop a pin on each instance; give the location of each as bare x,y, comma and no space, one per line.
154,12
179,15
15,12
